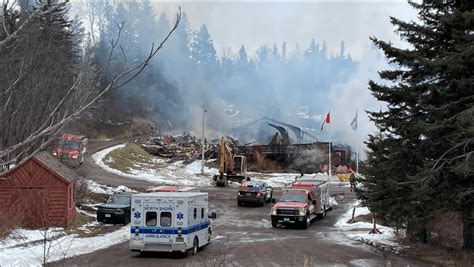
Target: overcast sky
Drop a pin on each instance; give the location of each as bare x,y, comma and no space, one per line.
253,24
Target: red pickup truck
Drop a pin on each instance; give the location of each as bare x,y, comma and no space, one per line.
299,205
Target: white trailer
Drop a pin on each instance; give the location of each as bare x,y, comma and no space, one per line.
170,221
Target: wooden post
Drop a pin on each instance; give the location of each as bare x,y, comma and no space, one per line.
353,214
374,229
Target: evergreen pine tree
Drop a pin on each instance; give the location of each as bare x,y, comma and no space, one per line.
275,54
342,50
283,52
203,52
429,123
312,50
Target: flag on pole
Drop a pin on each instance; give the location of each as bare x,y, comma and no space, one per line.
354,123
326,121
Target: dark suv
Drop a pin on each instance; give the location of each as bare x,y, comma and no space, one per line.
255,192
115,209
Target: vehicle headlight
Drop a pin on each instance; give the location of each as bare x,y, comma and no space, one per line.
302,211
74,156
119,210
273,211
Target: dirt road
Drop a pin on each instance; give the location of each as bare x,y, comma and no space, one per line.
243,236
91,171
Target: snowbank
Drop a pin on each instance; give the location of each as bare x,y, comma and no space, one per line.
190,174
360,230
66,246
103,189
176,173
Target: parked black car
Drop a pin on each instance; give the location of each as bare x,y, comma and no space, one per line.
116,208
254,192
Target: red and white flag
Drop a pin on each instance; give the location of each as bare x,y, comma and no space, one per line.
326,121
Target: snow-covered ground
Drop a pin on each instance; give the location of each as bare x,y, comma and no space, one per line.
172,173
360,230
190,174
20,248
24,247
103,189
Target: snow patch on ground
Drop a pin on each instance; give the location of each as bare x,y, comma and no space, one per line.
360,230
103,189
16,251
179,173
23,236
176,173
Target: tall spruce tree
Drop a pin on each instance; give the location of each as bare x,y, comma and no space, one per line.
429,123
203,52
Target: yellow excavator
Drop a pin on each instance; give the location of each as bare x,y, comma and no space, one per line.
231,167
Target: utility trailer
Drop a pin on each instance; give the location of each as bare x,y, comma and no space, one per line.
321,187
170,221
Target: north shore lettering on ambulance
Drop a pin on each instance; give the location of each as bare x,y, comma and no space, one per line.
155,208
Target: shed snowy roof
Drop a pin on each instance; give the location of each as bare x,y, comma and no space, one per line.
56,166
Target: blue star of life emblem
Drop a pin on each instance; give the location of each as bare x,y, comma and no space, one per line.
137,215
180,216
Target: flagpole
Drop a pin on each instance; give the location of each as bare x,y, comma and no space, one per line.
330,171
330,122
357,154
357,159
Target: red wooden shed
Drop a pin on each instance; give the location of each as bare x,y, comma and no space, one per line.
39,192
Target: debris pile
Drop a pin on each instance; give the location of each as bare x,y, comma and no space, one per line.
184,147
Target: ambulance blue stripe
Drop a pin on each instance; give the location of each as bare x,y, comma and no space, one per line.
168,230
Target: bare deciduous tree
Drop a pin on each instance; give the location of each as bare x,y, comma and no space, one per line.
44,87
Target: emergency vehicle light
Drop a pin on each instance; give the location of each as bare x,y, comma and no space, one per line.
302,185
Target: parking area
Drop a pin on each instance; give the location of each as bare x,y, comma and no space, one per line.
243,236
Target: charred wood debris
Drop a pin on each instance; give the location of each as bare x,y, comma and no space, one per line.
183,147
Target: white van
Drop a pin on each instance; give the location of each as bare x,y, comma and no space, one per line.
170,221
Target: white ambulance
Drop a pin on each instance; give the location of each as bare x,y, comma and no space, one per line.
170,221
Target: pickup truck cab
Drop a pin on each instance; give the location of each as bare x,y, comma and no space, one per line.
298,205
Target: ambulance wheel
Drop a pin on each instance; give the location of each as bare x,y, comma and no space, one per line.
195,246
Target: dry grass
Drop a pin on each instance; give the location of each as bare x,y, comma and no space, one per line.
8,222
132,156
438,255
79,221
364,218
